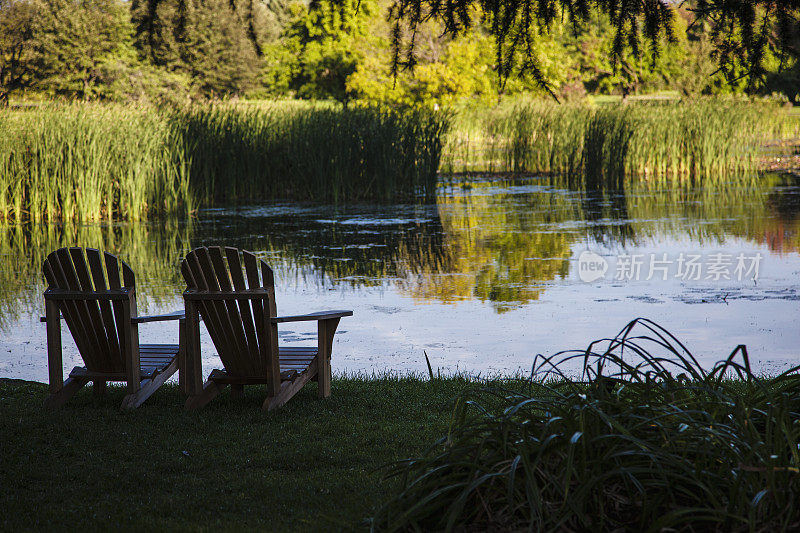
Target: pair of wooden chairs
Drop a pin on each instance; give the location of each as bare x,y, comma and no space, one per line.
232,292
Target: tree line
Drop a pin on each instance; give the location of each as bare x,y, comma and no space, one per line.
353,50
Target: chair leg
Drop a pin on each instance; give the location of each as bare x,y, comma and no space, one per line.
148,387
324,380
98,387
183,380
288,389
71,386
210,391
325,332
237,390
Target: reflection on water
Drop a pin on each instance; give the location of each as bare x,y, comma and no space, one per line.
490,260
152,250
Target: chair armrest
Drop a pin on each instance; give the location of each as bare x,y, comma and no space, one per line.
176,315
320,315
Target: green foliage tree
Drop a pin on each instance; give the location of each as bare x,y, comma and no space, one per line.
62,46
786,81
17,23
743,31
449,71
461,50
272,17
327,40
590,45
216,43
78,42
700,73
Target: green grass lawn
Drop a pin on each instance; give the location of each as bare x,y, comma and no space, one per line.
315,464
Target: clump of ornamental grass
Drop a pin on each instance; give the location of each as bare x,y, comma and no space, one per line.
641,438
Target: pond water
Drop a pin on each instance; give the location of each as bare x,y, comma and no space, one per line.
492,274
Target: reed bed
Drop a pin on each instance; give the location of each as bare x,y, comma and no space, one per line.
314,153
89,162
85,162
642,439
704,139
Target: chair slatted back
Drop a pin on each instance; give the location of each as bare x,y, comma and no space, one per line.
96,326
247,343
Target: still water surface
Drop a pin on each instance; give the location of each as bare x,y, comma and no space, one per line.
482,281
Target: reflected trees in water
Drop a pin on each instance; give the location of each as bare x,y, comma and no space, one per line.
501,242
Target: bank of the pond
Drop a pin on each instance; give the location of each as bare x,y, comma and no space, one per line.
643,439
601,453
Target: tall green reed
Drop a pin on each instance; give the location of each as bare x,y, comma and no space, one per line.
703,139
242,153
89,162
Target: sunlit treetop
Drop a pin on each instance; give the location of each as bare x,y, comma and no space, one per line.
742,30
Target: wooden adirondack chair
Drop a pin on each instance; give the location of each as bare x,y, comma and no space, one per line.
101,315
239,312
